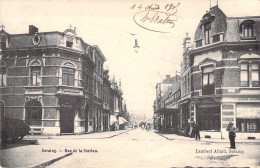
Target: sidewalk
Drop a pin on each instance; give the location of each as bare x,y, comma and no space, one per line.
29,156
212,140
29,152
95,135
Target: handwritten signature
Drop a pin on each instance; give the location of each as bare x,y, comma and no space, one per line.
154,18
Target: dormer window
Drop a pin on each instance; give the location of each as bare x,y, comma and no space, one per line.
247,30
69,38
69,44
3,43
216,38
207,27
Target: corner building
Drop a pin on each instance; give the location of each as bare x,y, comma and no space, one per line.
47,81
225,74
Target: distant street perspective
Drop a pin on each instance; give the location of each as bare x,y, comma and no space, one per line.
129,148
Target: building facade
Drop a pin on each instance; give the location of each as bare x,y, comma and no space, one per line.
166,105
53,81
224,66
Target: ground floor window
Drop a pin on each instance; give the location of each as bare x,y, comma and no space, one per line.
33,114
209,118
248,125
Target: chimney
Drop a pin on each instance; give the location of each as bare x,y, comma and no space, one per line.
32,29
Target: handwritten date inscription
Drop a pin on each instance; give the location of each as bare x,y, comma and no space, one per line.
156,18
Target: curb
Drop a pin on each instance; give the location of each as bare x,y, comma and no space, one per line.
47,163
59,137
206,140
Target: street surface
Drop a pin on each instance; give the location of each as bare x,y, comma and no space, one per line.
140,148
122,149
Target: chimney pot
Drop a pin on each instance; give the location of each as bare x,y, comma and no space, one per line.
33,30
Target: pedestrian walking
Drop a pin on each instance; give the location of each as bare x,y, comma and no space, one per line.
197,131
232,134
147,127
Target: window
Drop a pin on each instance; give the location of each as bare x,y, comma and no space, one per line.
247,29
69,44
69,41
3,43
208,80
248,125
208,75
244,76
249,74
35,75
35,68
199,43
33,113
3,76
207,27
216,38
68,76
255,74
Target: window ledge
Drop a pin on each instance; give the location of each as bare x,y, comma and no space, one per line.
247,38
249,87
34,86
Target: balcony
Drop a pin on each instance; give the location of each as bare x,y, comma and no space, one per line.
208,89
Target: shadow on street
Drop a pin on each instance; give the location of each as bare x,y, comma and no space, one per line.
19,143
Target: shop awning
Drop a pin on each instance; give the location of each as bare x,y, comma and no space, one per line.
121,120
113,119
248,111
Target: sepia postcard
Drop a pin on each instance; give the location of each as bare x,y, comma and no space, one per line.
130,84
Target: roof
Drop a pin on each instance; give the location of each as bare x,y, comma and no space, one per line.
100,52
217,18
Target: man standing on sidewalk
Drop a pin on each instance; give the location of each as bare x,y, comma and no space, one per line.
197,131
232,134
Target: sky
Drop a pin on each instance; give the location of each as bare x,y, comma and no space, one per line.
109,24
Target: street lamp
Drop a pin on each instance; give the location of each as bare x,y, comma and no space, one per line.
136,47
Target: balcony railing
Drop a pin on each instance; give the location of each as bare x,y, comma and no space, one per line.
208,89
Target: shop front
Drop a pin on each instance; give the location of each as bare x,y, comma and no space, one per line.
207,113
244,112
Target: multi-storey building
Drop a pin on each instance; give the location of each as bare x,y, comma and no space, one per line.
54,82
166,105
225,74
106,97
187,111
97,106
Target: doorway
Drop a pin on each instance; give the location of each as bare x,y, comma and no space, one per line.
67,120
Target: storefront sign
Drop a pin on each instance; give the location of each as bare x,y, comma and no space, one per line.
248,111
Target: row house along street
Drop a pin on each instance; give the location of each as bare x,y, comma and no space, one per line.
135,85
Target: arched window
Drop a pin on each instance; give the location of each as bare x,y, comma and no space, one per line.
68,74
35,69
247,29
33,114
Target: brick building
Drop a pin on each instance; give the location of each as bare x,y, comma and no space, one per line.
224,67
53,81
